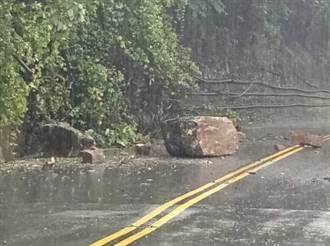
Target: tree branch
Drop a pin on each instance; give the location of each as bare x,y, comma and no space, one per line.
243,107
244,92
23,64
304,80
261,83
236,95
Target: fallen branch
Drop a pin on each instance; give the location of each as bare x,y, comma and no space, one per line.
304,80
28,73
23,64
236,95
244,92
269,106
261,83
296,74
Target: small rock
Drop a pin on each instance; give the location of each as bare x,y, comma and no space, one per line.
279,147
306,139
142,149
49,164
92,156
327,179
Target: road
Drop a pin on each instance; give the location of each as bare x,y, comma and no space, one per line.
287,203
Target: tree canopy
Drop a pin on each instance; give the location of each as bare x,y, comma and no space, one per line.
76,61
112,66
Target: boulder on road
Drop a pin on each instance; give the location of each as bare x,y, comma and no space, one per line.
62,140
315,141
202,136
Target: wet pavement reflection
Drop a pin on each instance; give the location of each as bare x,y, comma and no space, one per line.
285,204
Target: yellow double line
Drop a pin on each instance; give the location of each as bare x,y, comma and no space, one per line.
127,235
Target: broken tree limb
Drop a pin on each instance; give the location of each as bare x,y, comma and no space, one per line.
26,72
23,64
241,107
261,83
278,74
244,92
304,80
237,95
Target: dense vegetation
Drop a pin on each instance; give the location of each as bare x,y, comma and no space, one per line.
114,66
80,61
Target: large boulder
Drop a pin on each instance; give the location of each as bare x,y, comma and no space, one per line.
62,140
202,136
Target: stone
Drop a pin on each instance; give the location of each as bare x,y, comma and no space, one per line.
142,149
202,136
49,164
62,140
279,147
307,139
92,156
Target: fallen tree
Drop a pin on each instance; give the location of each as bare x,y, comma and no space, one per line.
237,95
260,83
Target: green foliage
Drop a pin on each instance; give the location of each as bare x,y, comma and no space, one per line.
31,34
121,135
205,8
119,39
75,61
212,110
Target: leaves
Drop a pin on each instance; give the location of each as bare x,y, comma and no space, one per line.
75,61
33,33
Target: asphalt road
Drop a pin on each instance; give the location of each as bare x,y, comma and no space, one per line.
287,203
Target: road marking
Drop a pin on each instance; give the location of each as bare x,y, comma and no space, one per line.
219,184
171,203
199,198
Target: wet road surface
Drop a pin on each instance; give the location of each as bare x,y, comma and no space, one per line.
287,203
